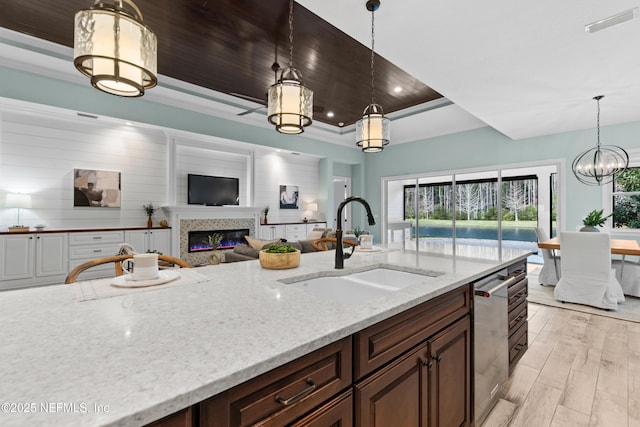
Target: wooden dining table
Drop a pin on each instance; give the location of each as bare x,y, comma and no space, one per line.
618,246
622,247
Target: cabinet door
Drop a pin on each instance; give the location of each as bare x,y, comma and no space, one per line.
160,240
270,232
51,254
450,376
138,239
396,395
16,255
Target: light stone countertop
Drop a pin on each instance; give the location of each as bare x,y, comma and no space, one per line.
129,360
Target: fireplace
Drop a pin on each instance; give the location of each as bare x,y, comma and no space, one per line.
199,239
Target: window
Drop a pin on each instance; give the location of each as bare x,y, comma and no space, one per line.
626,199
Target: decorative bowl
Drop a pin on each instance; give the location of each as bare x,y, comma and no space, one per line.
279,261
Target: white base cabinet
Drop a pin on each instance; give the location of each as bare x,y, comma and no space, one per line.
291,232
33,259
88,245
149,240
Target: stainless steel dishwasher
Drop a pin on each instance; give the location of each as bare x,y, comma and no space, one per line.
491,341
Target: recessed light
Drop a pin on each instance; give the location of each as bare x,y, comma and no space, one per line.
330,114
397,89
129,123
616,19
341,124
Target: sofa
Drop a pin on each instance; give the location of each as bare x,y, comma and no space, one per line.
251,251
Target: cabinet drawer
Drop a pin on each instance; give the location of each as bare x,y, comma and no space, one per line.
93,251
337,412
284,394
388,339
86,238
518,293
291,237
517,316
295,228
518,343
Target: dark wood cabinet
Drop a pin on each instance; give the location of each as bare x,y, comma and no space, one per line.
184,418
428,386
284,394
336,413
450,376
397,394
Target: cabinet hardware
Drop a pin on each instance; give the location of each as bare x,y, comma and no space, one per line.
95,251
427,363
97,237
298,396
438,358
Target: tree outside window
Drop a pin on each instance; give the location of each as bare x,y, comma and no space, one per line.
626,199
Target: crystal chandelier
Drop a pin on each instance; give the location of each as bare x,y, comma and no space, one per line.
290,103
372,130
599,165
115,49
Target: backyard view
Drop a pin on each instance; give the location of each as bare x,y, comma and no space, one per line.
476,209
626,199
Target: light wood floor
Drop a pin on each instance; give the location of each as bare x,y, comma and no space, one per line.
580,370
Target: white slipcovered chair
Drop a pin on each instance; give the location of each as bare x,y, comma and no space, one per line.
628,274
587,276
550,272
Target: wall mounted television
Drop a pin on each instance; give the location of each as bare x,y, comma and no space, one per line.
212,190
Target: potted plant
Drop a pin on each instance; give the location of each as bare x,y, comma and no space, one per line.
594,219
149,210
279,256
265,212
214,242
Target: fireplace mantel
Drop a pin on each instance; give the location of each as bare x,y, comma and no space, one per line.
202,212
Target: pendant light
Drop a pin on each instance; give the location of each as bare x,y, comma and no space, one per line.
115,49
599,165
372,130
290,103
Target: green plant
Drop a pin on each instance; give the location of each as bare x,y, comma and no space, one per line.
215,239
149,209
280,248
357,231
265,210
595,218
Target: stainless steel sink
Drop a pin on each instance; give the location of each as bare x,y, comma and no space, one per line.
364,285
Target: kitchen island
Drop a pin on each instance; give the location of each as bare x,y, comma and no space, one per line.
130,360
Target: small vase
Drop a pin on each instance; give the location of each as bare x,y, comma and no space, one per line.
265,221
149,222
215,258
589,228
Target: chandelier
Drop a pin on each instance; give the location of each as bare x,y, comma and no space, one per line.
599,165
372,130
115,49
290,103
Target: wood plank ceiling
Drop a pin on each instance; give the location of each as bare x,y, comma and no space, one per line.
230,46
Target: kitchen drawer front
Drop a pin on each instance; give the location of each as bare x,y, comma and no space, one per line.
93,251
296,228
517,316
337,412
292,237
388,339
518,293
518,343
304,383
98,237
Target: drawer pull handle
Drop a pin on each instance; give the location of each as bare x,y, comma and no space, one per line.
95,251
427,363
97,237
298,396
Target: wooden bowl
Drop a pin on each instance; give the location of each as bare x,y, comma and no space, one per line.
274,261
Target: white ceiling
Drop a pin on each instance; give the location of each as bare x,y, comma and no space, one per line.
524,68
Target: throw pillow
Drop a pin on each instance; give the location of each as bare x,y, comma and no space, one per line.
246,250
258,244
315,234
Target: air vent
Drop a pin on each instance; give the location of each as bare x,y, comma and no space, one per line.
611,21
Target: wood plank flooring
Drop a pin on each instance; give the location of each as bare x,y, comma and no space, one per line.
581,369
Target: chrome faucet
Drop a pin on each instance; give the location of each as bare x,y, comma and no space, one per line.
340,255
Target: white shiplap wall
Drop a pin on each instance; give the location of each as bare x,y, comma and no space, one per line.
203,161
275,169
40,153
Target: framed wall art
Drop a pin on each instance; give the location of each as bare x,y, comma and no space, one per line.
289,197
96,188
